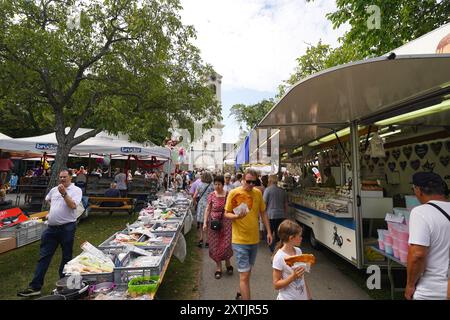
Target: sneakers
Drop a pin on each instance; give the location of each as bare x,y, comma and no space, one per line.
29,292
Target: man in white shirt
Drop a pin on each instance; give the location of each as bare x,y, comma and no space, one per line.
429,240
62,218
228,186
238,182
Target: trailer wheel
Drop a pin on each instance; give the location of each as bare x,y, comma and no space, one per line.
313,241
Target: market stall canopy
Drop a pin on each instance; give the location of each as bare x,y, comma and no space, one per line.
101,143
360,91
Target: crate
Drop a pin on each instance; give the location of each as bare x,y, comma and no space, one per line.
178,223
172,235
108,245
93,278
24,233
122,275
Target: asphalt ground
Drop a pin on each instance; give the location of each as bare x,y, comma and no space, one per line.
325,280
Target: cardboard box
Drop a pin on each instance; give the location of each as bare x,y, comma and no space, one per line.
7,244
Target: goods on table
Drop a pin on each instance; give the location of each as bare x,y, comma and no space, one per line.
143,285
88,263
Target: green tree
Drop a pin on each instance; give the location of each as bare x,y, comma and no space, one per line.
116,65
401,21
251,115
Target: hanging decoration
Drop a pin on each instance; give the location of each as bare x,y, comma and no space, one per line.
436,147
415,164
403,165
428,166
396,154
421,150
391,166
407,151
444,160
154,163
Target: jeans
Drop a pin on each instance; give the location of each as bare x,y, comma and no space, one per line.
245,256
53,236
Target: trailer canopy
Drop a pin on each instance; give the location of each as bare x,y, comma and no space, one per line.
365,91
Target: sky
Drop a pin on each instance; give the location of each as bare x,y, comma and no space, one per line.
254,44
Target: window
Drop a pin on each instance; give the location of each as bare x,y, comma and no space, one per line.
212,138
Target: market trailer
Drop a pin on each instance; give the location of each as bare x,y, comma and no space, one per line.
328,119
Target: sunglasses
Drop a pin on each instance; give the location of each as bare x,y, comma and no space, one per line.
250,181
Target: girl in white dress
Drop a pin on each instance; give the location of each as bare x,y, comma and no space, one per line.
289,281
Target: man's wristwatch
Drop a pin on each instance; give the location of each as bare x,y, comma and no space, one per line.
64,194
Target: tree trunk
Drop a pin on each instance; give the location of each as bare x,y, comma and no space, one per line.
62,154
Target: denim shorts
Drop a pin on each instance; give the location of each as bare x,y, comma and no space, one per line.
245,256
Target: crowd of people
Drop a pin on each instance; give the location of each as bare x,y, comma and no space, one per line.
234,213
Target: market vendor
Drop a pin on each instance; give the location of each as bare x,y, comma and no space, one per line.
62,218
331,181
429,240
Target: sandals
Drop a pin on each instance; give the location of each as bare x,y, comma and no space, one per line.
238,296
218,274
200,244
230,270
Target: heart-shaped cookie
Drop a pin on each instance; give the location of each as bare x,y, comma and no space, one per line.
396,153
407,151
436,147
421,150
403,165
444,160
391,166
428,166
415,164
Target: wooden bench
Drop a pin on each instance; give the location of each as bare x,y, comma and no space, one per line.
128,204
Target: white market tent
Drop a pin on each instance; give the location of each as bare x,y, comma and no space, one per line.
102,143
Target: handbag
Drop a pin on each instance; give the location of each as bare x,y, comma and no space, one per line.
216,224
197,199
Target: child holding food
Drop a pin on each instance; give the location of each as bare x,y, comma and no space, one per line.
288,277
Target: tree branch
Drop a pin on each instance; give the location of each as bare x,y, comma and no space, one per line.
84,137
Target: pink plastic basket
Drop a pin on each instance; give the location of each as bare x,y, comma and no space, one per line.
403,256
388,239
403,245
381,244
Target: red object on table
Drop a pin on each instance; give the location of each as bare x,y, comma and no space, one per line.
11,217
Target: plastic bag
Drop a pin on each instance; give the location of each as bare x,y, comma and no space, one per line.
180,249
188,223
241,209
376,148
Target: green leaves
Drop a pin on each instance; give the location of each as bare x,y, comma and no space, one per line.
128,66
251,115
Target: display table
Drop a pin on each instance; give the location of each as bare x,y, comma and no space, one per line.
391,259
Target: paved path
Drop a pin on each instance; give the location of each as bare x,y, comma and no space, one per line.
325,280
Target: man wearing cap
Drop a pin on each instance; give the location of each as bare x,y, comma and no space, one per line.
228,186
429,240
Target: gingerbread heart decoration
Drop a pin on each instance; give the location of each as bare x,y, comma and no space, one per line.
415,164
407,151
403,165
391,166
396,154
375,160
444,160
447,145
428,167
436,147
421,150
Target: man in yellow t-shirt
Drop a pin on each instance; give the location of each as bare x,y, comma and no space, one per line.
245,230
